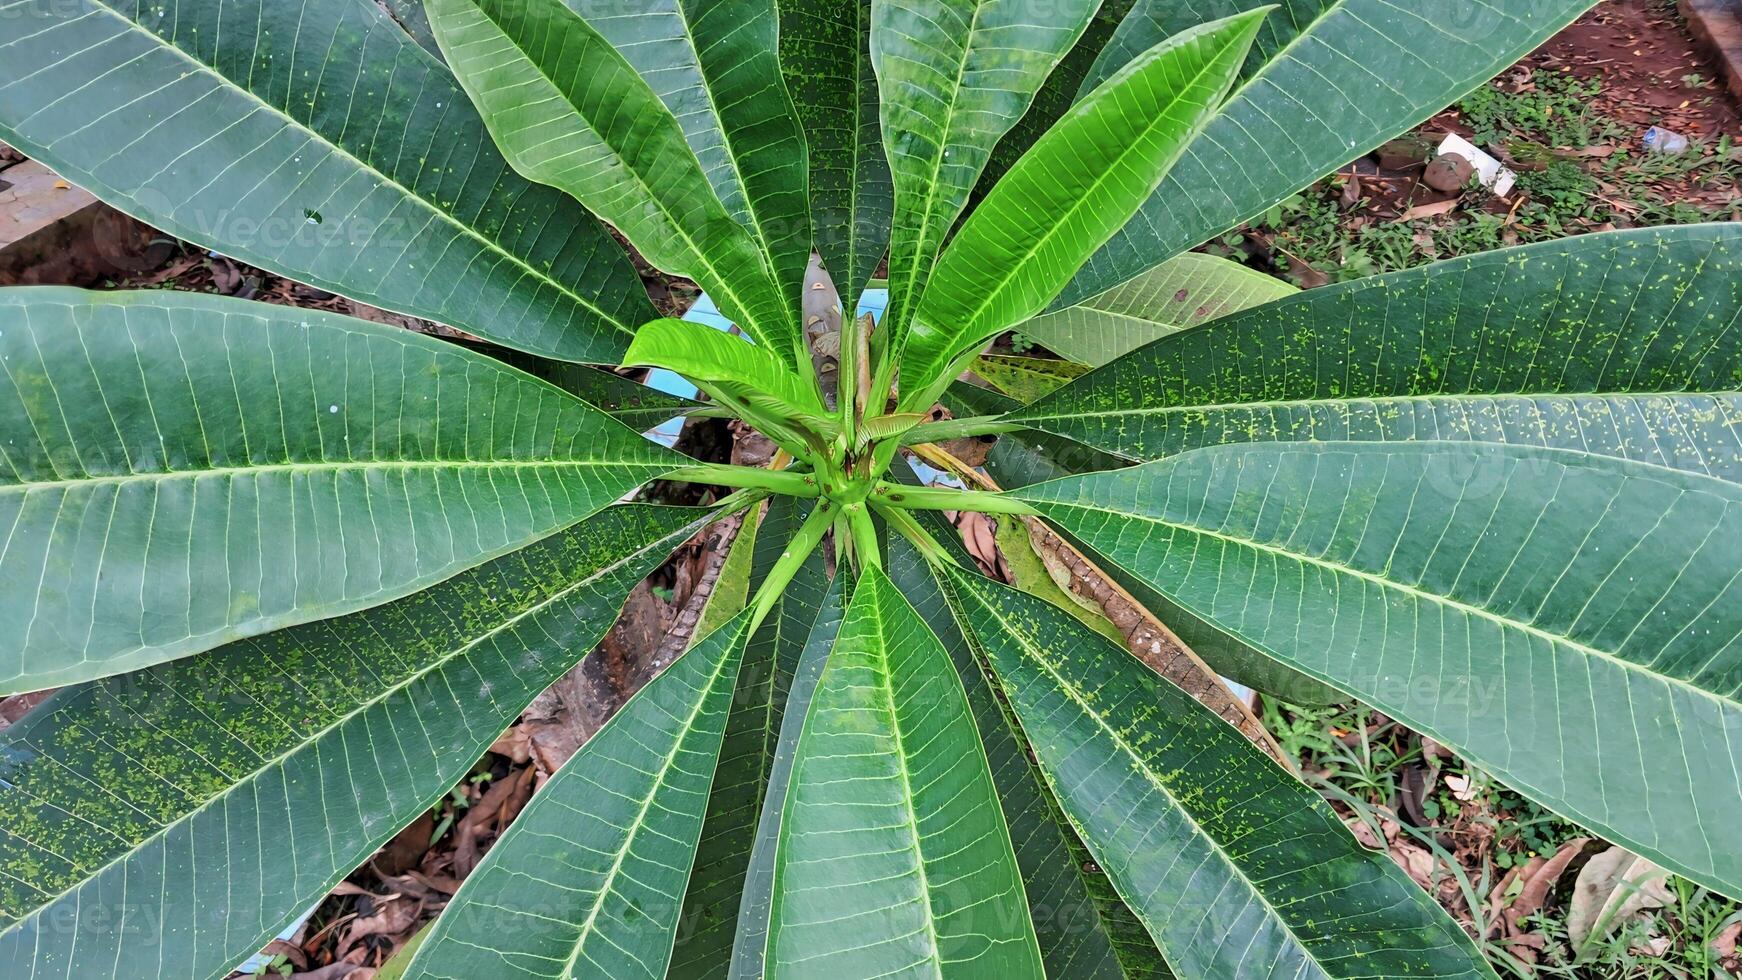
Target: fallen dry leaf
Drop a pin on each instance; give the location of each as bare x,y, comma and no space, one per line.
1539,882
1614,886
1433,210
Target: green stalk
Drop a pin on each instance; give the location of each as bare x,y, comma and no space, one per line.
784,482
809,535
941,498
915,532
946,429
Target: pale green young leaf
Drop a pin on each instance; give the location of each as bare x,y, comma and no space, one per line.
1185,291
313,138
287,758
719,362
1567,621
183,470
1066,196
893,854
569,111
588,880
1204,836
1027,378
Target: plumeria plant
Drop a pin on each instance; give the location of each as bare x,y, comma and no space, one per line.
291,573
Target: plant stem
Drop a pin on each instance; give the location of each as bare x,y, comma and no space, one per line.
783,482
865,550
944,429
943,498
804,541
915,532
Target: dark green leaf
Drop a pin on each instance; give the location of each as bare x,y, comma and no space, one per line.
953,76
588,880
1570,622
710,916
183,470
635,405
313,138
1077,918
225,794
825,50
714,64
893,853
748,947
1054,97
1234,866
1621,344
1025,456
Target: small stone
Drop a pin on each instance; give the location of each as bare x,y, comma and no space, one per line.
1448,173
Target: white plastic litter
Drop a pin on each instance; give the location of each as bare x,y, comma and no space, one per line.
1493,175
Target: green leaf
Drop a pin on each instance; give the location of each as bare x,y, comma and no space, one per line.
603,135
1068,195
1055,97
711,62
1078,921
1234,866
893,853
184,470
313,138
1027,378
953,76
747,757
723,364
588,880
825,53
748,947
1621,344
1185,291
1332,79
285,759
1568,622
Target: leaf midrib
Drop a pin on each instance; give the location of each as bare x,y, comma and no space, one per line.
1373,399
235,471
334,147
275,763
1554,639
